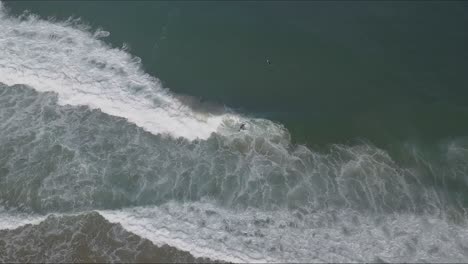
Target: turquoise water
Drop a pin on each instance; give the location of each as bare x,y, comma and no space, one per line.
356,143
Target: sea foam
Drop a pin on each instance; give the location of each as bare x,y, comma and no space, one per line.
68,59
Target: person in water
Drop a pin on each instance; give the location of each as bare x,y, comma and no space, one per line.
242,127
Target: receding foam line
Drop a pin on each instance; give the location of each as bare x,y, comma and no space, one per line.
162,226
62,57
255,236
346,236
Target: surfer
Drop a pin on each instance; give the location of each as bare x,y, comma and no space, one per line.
268,61
242,127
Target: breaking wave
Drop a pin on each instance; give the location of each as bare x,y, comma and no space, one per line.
84,128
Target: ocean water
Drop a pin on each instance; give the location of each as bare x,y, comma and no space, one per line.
120,140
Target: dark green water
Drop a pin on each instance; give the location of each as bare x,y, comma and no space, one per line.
385,72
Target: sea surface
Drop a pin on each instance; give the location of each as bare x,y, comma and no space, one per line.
120,139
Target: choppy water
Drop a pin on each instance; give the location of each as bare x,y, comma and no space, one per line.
88,136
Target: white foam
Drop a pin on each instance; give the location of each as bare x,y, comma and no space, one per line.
162,228
256,236
279,236
65,58
12,220
83,70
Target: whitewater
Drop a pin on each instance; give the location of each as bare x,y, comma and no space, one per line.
84,129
